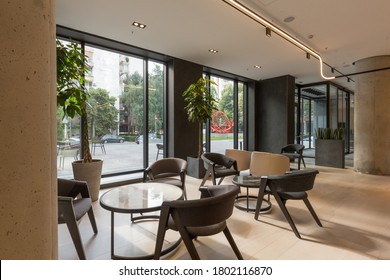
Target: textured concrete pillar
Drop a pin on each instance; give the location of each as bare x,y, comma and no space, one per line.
372,117
28,209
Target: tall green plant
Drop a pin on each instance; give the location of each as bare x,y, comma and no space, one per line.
200,105
72,95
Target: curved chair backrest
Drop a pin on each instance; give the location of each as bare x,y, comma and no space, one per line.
242,157
297,181
205,211
217,158
265,164
293,148
167,167
72,188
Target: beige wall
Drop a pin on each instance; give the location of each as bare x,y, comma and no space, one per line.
28,210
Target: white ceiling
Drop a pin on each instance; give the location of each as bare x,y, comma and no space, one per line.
343,31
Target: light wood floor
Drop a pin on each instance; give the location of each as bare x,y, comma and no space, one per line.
353,208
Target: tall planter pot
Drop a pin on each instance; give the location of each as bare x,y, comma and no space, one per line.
330,153
91,173
195,167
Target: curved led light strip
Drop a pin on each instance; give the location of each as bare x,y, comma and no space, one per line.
277,30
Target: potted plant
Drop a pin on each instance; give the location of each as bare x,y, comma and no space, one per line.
329,149
72,96
200,106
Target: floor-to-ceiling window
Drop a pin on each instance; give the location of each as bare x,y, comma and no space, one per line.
227,123
125,111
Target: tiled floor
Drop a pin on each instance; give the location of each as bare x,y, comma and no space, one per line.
353,208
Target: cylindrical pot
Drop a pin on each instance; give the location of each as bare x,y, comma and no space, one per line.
91,173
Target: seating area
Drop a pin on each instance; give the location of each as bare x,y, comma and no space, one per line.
358,234
271,73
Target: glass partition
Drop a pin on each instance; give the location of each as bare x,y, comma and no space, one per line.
324,105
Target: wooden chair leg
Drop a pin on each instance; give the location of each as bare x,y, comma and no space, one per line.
287,214
75,234
206,176
162,228
232,243
303,161
189,245
92,220
299,163
313,213
159,243
263,185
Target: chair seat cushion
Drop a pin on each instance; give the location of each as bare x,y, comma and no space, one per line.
81,206
293,195
200,231
222,172
171,181
207,230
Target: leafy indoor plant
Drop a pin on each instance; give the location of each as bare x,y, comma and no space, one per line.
72,96
200,105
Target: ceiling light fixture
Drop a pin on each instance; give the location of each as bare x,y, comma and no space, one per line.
257,66
268,31
213,51
243,9
140,25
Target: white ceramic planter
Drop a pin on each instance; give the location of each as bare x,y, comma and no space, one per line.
91,173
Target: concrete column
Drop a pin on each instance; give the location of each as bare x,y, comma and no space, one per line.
372,117
28,204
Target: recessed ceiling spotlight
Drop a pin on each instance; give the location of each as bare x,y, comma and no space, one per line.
311,36
139,25
289,19
257,66
213,51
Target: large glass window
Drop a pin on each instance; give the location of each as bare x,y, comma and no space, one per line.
125,118
227,123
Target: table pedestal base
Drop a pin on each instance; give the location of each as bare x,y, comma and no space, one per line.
248,203
138,257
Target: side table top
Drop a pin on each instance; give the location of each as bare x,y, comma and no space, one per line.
140,197
247,181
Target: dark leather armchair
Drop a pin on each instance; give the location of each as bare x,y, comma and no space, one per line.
294,151
74,202
165,170
199,217
292,186
218,166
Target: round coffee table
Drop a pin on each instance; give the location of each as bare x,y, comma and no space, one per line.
138,199
248,202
